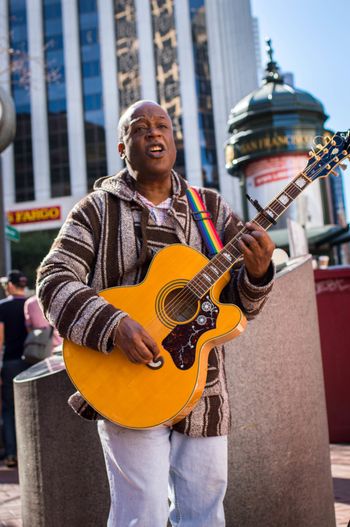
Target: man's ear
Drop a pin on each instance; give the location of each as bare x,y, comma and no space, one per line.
121,150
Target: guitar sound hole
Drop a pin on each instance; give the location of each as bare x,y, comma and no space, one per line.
180,305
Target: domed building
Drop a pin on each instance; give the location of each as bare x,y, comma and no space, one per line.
273,128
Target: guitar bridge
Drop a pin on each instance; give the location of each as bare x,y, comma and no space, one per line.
182,341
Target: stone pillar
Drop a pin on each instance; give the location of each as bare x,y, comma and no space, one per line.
279,465
61,467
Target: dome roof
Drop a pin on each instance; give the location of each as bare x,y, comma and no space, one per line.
274,96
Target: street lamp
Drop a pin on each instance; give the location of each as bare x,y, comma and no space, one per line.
7,134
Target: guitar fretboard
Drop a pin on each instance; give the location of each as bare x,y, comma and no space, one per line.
230,254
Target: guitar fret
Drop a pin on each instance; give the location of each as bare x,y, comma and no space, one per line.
284,198
194,289
220,264
200,283
265,218
213,276
207,277
295,189
308,180
227,256
236,252
264,222
301,181
280,207
214,269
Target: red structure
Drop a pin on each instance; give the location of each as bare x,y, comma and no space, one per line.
333,303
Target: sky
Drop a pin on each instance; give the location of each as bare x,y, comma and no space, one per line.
310,38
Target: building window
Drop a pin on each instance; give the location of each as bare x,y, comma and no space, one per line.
95,140
127,50
204,96
24,177
167,69
56,100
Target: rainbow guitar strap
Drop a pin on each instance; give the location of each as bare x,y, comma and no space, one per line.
203,219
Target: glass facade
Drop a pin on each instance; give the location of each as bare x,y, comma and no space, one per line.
167,69
24,178
167,75
204,95
95,141
56,99
127,50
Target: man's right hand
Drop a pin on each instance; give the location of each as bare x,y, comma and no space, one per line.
135,342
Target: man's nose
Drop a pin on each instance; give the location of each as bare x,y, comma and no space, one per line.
153,130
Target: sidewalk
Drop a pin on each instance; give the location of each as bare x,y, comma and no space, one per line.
10,501
340,459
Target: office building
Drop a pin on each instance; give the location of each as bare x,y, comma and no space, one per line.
75,65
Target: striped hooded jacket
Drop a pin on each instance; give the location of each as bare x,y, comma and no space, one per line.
109,239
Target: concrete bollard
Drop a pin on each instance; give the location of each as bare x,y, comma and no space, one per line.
60,460
279,465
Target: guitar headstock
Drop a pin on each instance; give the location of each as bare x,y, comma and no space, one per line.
329,156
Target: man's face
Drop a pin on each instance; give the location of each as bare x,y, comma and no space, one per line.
149,145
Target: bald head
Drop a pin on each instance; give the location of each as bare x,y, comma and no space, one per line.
146,140
125,119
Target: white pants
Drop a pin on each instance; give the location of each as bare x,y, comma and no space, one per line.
146,467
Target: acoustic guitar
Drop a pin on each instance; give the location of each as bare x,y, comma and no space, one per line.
178,304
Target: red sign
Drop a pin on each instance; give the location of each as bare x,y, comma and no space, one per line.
17,217
273,169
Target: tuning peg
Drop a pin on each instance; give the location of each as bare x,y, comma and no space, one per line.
334,172
345,152
343,166
312,153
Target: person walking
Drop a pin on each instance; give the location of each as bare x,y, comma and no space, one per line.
12,336
34,319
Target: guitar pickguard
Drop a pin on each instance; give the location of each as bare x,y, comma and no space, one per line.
182,341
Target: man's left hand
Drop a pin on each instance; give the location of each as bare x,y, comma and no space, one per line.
257,248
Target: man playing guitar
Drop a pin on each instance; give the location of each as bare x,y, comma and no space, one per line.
109,239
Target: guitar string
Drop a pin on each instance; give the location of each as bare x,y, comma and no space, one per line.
243,231
186,295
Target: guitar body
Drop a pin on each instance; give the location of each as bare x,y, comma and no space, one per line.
140,396
184,327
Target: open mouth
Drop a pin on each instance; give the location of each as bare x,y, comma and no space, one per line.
156,150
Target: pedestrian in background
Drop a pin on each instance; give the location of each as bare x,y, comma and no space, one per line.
12,336
34,319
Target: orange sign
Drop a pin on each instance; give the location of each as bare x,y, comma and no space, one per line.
16,217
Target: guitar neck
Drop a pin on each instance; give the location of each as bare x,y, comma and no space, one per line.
230,254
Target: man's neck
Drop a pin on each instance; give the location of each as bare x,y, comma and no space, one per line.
155,190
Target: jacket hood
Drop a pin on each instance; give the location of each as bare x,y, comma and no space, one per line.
120,184
123,185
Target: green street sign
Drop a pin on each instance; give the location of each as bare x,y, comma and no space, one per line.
12,234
